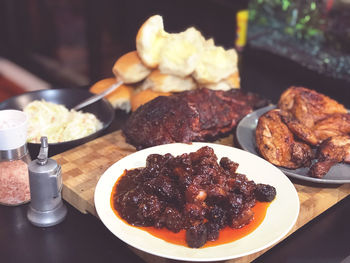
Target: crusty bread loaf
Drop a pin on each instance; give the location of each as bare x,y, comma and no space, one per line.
119,98
141,97
130,69
160,82
149,40
180,52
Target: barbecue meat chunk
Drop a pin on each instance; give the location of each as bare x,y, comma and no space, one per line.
277,145
191,192
265,192
332,151
139,208
172,219
196,236
244,218
196,115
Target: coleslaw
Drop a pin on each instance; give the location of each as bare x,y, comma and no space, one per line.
58,123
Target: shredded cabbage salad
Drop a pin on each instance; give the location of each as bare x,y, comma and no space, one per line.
58,123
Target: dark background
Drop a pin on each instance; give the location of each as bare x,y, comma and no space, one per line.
77,42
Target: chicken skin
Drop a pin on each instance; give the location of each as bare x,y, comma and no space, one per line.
312,116
333,125
333,150
277,145
308,106
301,131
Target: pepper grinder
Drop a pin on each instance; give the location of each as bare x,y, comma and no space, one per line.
45,180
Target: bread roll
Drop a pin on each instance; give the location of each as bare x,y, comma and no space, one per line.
130,69
143,96
215,64
150,39
160,82
231,82
179,54
119,98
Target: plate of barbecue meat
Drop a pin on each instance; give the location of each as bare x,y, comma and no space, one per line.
196,201
306,135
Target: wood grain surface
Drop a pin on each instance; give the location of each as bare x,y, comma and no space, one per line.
83,166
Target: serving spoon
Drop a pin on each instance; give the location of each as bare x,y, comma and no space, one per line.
98,96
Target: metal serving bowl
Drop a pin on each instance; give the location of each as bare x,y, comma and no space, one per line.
102,109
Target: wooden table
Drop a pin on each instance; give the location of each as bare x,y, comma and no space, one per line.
84,165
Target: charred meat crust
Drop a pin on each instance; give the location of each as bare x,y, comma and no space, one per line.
197,115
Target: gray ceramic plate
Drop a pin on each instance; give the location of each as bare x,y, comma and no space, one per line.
338,174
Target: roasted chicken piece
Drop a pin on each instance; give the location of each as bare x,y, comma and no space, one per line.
333,125
308,106
277,145
333,150
302,132
311,118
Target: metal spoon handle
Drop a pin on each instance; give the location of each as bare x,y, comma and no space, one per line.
97,97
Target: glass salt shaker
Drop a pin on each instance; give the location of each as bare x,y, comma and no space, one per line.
14,158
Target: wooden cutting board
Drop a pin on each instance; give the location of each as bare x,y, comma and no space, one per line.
83,166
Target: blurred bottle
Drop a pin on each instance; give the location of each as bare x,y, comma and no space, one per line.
242,16
242,28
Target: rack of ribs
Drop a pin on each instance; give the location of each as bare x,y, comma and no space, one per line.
196,115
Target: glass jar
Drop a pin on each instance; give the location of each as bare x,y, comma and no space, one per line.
14,158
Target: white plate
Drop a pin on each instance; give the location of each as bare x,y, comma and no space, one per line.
245,134
280,218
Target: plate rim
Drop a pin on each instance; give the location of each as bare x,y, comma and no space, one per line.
288,172
295,202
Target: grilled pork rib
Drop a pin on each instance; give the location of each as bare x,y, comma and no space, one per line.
196,115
